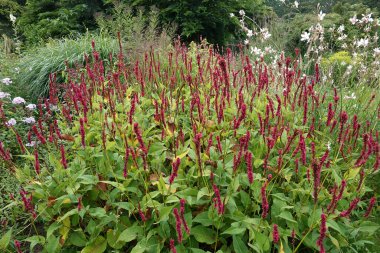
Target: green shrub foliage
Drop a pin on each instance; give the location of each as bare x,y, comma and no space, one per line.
192,151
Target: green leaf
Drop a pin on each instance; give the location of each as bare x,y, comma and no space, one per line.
54,226
262,241
78,238
239,245
4,241
332,224
130,234
52,244
164,212
203,234
234,230
287,216
194,250
97,246
34,240
203,219
334,241
112,237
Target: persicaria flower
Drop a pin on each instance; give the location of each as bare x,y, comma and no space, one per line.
264,202
352,206
172,247
82,132
142,215
36,162
18,246
79,206
248,160
178,225
276,235
63,157
219,203
322,233
18,100
183,201
175,167
139,137
370,206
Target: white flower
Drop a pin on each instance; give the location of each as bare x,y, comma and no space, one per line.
343,37
12,18
305,36
11,122
17,70
31,107
350,97
242,13
265,34
255,50
232,15
329,146
29,120
4,95
31,144
296,4
246,42
376,51
6,81
18,100
353,20
362,43
340,28
249,33
321,16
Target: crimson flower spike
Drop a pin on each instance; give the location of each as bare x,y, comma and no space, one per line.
322,233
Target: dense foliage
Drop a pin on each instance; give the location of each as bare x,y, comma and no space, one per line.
190,149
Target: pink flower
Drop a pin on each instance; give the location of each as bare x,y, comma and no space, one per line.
172,247
248,160
175,167
219,203
178,225
322,233
370,206
276,236
352,206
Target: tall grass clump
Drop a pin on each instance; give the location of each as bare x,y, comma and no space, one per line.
37,64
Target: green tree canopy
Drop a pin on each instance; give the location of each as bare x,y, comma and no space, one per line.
207,18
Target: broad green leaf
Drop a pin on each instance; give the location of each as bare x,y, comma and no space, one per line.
54,226
130,234
234,230
164,212
52,245
239,245
78,238
4,241
203,219
203,234
332,224
287,216
97,246
34,240
112,236
334,241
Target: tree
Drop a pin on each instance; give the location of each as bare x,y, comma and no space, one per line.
207,18
42,19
